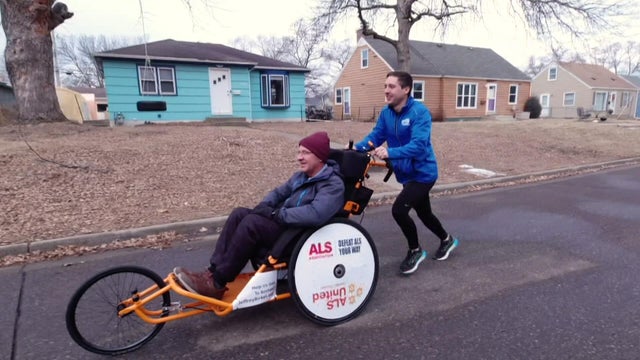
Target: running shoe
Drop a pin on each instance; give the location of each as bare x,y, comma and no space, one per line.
446,247
411,262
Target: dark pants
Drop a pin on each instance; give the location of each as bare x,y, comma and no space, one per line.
242,236
416,196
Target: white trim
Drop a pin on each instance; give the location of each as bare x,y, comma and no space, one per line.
509,94
335,96
363,41
423,89
362,58
564,99
344,100
555,67
494,98
546,111
475,96
595,96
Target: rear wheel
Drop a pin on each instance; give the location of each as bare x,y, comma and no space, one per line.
333,272
92,314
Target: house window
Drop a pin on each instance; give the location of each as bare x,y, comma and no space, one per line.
467,95
600,100
569,99
364,58
513,94
338,99
167,78
157,80
147,76
275,90
418,90
553,73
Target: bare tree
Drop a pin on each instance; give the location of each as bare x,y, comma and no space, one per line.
570,16
308,46
632,57
535,65
75,61
614,57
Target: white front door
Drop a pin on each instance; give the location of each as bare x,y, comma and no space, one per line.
220,89
544,101
491,98
346,102
611,104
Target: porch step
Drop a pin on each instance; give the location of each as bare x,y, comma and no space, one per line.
227,121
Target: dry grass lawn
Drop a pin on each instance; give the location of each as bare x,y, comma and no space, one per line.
60,180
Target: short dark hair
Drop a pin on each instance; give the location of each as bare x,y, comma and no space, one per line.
404,78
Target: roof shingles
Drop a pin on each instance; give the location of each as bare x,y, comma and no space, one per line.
437,59
170,49
596,76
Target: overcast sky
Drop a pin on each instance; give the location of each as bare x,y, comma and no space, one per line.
228,19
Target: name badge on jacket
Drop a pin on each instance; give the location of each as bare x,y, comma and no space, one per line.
405,122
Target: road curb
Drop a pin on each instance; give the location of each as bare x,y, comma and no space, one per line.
214,225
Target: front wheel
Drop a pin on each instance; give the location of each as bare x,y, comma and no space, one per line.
333,272
92,314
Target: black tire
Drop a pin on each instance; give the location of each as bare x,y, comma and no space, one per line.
333,272
92,313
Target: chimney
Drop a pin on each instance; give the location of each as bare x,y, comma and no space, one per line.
358,34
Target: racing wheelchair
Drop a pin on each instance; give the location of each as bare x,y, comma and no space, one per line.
331,273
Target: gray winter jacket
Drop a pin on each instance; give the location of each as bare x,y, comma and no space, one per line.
304,201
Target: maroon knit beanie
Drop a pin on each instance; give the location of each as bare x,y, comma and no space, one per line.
318,144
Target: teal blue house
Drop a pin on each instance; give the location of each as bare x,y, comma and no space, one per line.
171,80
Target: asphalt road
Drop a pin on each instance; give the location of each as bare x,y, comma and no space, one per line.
544,271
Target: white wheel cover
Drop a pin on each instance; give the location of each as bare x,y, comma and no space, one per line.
331,246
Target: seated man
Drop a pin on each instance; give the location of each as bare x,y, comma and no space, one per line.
310,197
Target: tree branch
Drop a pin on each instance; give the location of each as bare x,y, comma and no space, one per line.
59,13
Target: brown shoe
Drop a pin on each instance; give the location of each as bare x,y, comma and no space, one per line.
198,282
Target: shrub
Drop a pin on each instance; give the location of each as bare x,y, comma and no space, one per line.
533,106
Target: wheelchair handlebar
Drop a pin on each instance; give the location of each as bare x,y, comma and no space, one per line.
387,162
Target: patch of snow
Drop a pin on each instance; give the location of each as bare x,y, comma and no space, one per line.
479,172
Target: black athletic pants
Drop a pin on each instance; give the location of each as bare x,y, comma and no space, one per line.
415,195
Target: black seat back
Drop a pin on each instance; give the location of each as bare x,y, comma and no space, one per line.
352,166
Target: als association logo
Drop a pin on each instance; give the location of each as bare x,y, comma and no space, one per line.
321,250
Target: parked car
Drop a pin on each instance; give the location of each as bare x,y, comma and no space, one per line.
319,113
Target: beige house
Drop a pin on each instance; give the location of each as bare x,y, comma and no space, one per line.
455,82
569,90
635,80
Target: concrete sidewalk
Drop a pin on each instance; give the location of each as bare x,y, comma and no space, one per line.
214,225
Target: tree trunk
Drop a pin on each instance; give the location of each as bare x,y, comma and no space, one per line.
28,54
403,49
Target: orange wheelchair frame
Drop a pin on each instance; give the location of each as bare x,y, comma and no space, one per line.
341,251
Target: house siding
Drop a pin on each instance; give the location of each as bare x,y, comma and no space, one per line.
296,109
567,82
367,92
192,101
367,87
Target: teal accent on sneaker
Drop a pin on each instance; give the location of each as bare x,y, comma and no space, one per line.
410,263
445,249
